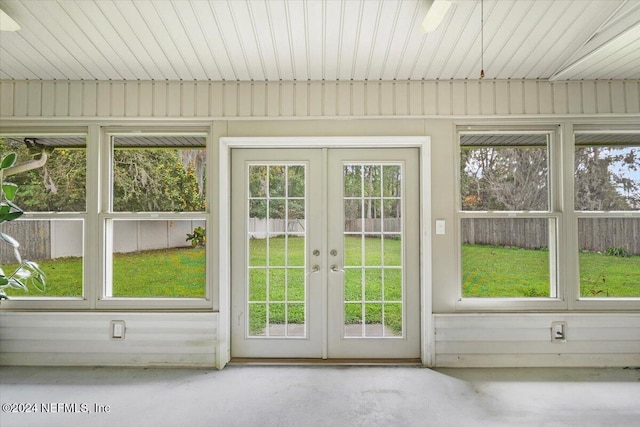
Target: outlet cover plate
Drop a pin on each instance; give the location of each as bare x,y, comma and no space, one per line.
117,330
559,331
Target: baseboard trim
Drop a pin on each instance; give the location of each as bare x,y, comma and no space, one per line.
324,362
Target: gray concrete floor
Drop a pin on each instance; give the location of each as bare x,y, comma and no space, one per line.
321,396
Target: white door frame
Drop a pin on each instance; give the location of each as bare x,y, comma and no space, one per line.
423,143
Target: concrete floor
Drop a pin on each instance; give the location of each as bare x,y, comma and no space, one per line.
322,396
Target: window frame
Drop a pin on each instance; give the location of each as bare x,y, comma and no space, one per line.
554,211
106,215
98,190
591,303
36,301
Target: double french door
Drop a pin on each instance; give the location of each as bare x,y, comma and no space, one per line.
325,253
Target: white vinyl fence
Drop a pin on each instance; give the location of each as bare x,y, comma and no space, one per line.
50,239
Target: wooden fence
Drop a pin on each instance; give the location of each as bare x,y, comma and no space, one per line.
599,234
34,239
594,234
373,225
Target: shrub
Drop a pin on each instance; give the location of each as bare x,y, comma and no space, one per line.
198,237
621,252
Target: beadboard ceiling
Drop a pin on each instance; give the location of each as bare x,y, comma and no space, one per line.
271,40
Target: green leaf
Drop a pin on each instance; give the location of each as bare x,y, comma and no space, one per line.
9,189
9,211
10,240
8,160
17,284
3,281
9,217
13,206
38,283
36,268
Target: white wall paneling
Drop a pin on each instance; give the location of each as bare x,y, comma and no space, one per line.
517,340
175,99
246,109
75,339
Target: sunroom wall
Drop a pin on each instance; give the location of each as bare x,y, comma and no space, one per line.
432,108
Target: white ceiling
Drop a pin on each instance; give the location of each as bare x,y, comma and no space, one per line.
319,39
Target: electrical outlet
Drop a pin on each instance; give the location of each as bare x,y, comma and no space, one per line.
559,331
118,328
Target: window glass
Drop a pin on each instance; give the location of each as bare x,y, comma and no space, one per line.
609,257
58,183
606,180
158,259
514,256
159,174
44,257
506,257
504,172
607,172
56,246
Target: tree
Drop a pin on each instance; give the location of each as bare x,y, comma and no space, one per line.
604,178
282,185
504,178
143,179
148,180
57,186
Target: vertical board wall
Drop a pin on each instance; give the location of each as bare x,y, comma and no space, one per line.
310,109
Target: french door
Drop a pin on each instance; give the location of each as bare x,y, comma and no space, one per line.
325,253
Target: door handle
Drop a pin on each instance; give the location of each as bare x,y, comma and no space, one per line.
335,269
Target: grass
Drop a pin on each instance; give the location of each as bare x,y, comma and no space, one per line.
166,273
488,272
609,276
64,279
494,272
277,294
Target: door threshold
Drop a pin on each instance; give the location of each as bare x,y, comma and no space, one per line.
325,362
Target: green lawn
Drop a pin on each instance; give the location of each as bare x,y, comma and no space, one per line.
609,276
286,292
163,273
490,271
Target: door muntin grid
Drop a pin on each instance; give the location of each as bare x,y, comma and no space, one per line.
373,284
276,285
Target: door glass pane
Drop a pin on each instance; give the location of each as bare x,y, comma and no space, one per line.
373,248
276,237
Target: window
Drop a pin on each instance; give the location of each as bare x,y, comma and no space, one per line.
607,209
155,218
508,226
51,177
